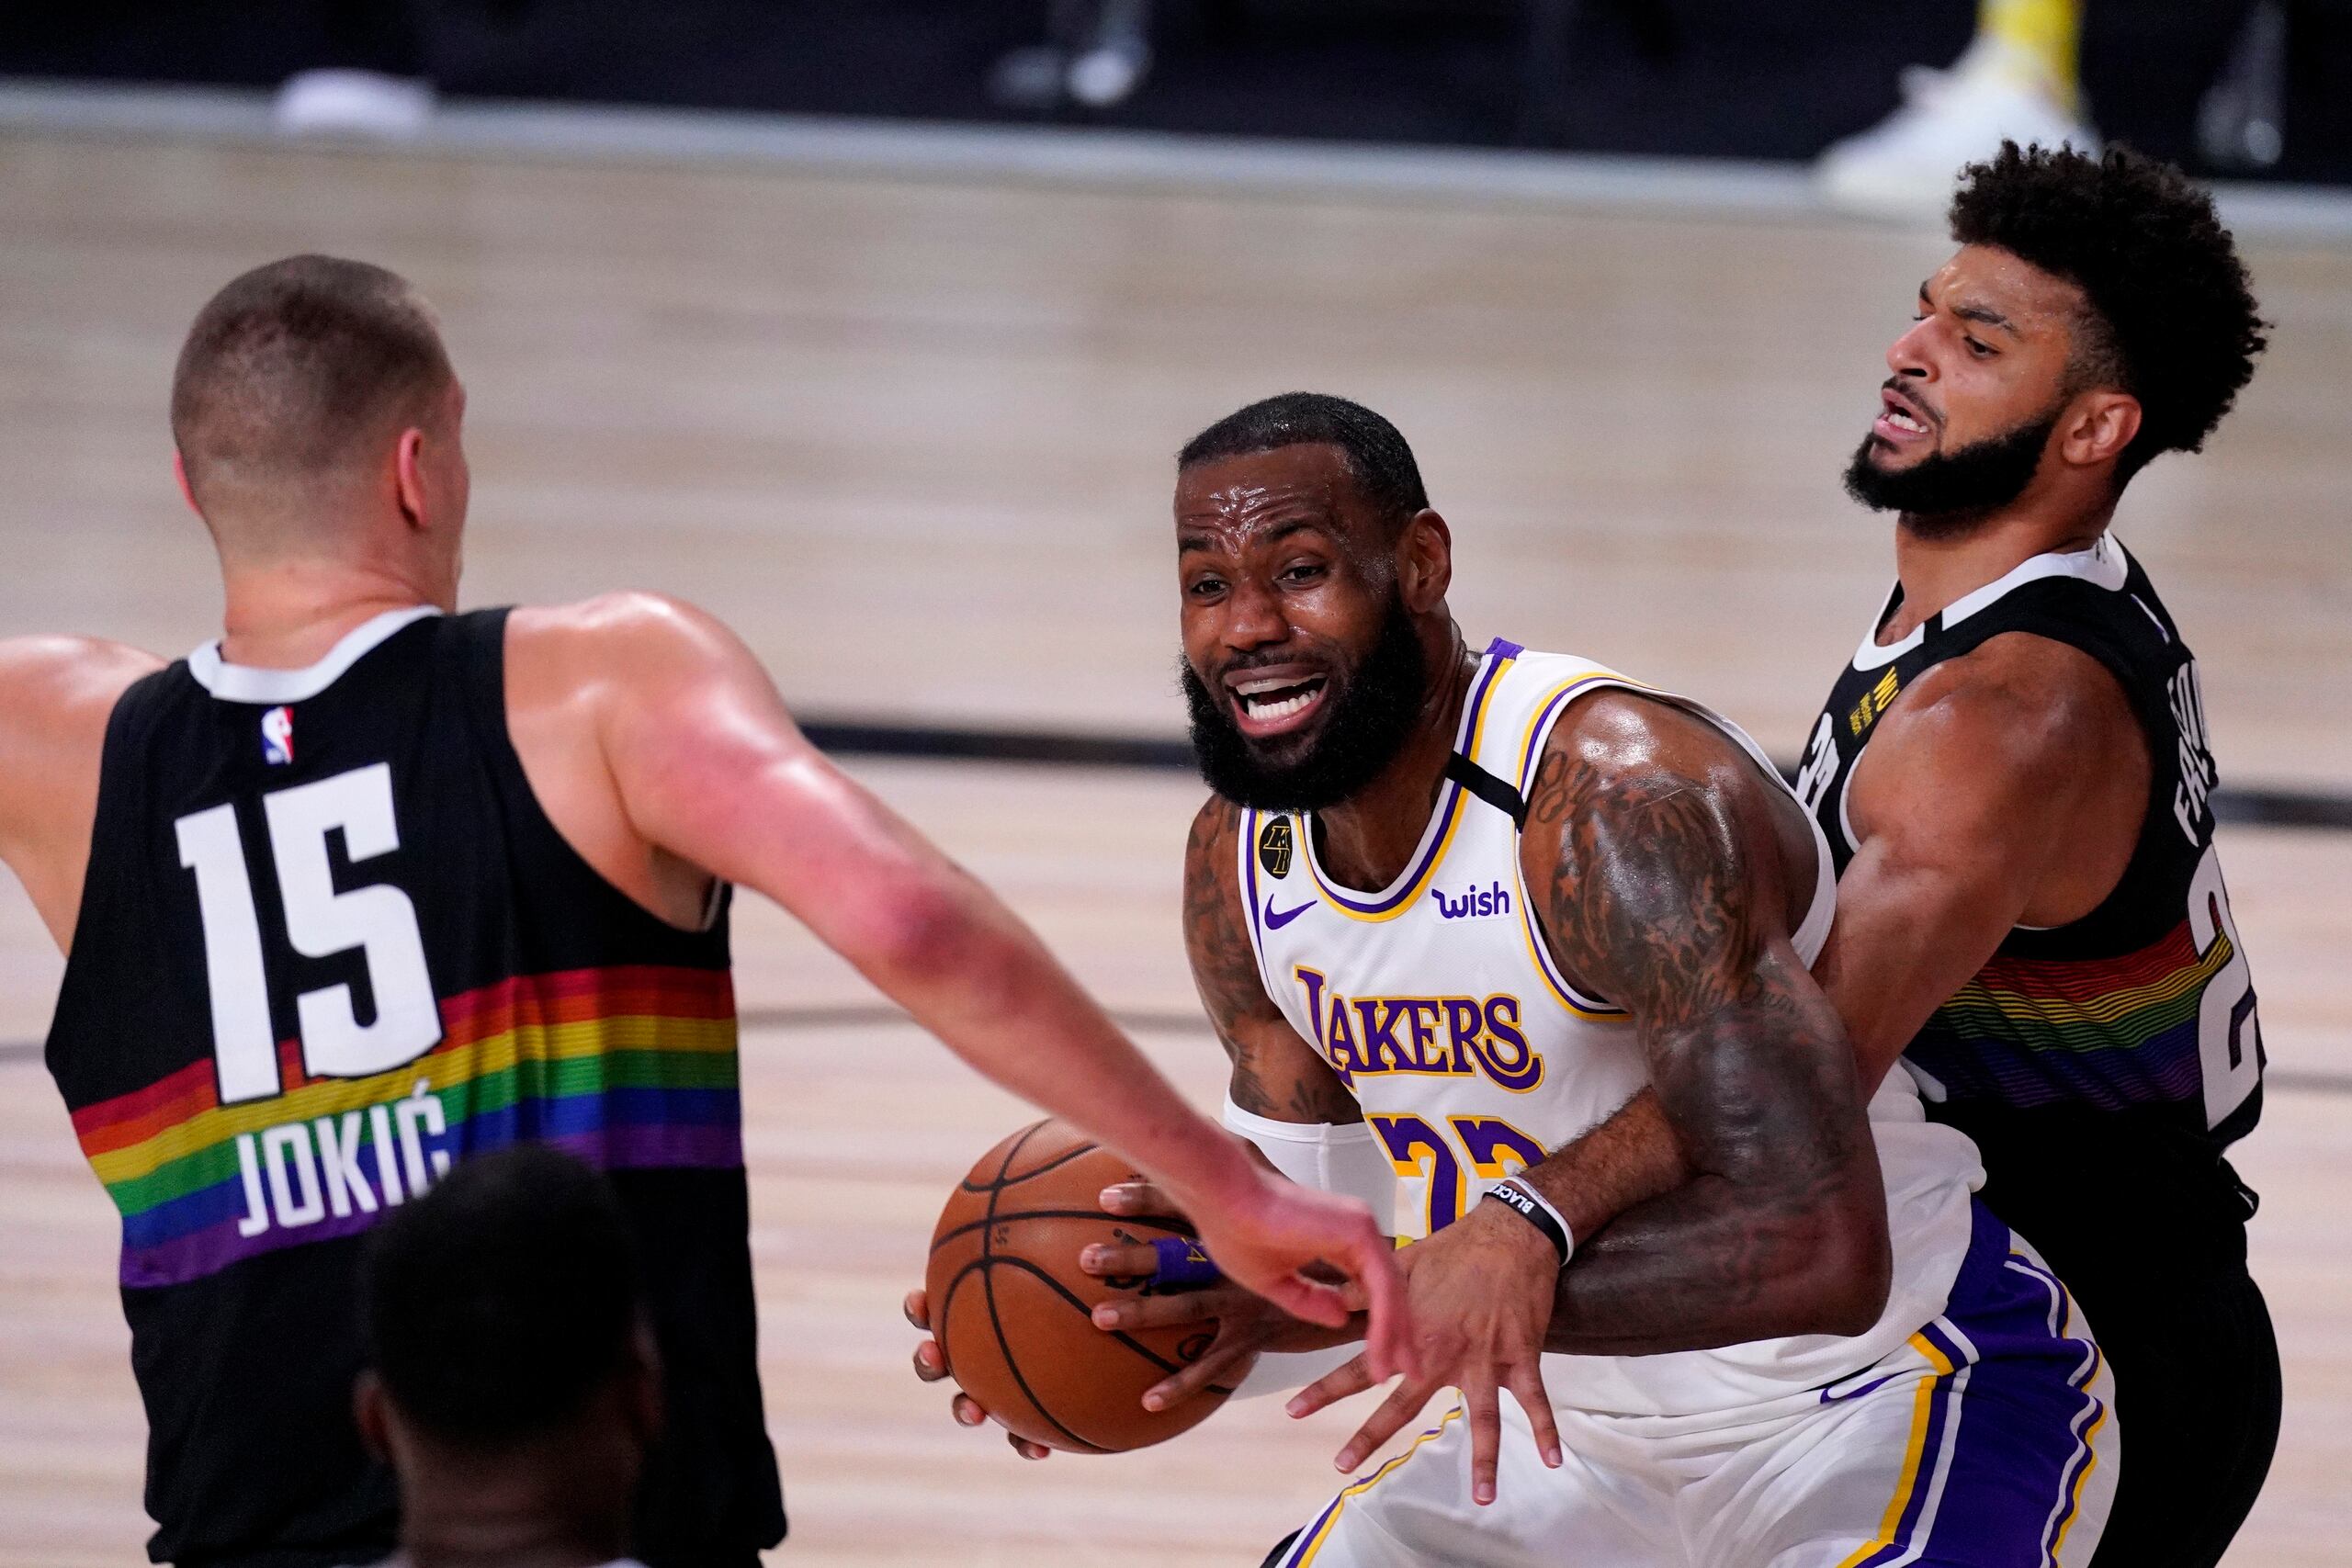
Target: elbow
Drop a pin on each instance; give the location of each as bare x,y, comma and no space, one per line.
908,930
1853,1271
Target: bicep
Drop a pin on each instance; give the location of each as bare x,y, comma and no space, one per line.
1276,1074
1912,927
1960,806
1662,887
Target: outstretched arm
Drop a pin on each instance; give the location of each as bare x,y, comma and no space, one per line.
709,767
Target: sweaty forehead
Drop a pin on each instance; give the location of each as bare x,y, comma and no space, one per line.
1988,277
1253,494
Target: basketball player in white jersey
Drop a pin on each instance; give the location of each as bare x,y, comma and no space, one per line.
1451,910
581,781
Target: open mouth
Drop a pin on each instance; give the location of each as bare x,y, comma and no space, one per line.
1899,422
1270,705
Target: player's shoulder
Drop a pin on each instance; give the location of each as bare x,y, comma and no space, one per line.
1623,739
631,636
66,680
2017,696
625,618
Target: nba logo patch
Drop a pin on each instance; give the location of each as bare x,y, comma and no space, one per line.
277,737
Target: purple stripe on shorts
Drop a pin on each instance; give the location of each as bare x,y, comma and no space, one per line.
2016,1456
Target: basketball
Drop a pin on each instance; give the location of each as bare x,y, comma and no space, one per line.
1013,1309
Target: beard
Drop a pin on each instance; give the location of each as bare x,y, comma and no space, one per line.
1946,494
1372,710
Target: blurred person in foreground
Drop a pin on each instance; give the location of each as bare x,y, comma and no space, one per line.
366,886
512,1383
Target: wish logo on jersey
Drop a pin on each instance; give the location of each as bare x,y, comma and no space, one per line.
1472,902
1427,1036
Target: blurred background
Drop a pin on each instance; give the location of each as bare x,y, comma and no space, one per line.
1781,79
873,327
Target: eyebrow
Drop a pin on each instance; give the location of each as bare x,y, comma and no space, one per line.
1991,318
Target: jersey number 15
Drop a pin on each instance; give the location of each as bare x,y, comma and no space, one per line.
378,920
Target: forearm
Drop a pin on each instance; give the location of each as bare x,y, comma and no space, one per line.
1631,1157
1907,936
1709,1264
1780,1228
972,974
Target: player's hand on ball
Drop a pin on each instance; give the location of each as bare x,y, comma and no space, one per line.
1279,1239
1247,1324
1481,1293
932,1367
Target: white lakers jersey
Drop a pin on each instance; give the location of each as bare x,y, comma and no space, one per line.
1437,1003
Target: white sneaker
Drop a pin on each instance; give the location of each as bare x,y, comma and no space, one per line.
1904,166
353,103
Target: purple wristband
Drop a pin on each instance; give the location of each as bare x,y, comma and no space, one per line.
1182,1264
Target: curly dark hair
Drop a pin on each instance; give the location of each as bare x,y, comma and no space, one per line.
2171,320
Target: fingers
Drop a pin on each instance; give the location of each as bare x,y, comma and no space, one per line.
967,1413
1344,1381
1389,1344
1159,1311
1219,1359
1311,1303
930,1364
1402,1404
1485,1412
1113,1261
1526,1384
1134,1198
917,1306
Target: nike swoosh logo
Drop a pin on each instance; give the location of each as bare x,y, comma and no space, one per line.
1276,921
1829,1398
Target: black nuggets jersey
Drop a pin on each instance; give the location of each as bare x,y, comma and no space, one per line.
328,945
2126,1041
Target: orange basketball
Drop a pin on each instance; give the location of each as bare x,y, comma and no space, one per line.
1011,1309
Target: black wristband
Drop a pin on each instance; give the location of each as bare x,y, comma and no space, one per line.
1529,1205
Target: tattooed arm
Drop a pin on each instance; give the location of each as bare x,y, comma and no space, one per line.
1664,869
1276,1074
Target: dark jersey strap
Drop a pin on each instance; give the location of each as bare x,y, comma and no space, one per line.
1487,787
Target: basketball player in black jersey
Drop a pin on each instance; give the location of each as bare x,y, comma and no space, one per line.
367,885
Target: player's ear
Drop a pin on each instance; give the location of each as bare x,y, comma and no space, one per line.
179,477
2098,426
1424,561
408,476
368,1413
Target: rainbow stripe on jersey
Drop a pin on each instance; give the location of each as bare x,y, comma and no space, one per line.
629,1067
2110,1033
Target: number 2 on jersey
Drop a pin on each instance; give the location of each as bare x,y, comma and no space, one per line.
378,920
1417,1149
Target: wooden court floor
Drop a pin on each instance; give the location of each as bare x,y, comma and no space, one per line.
914,439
